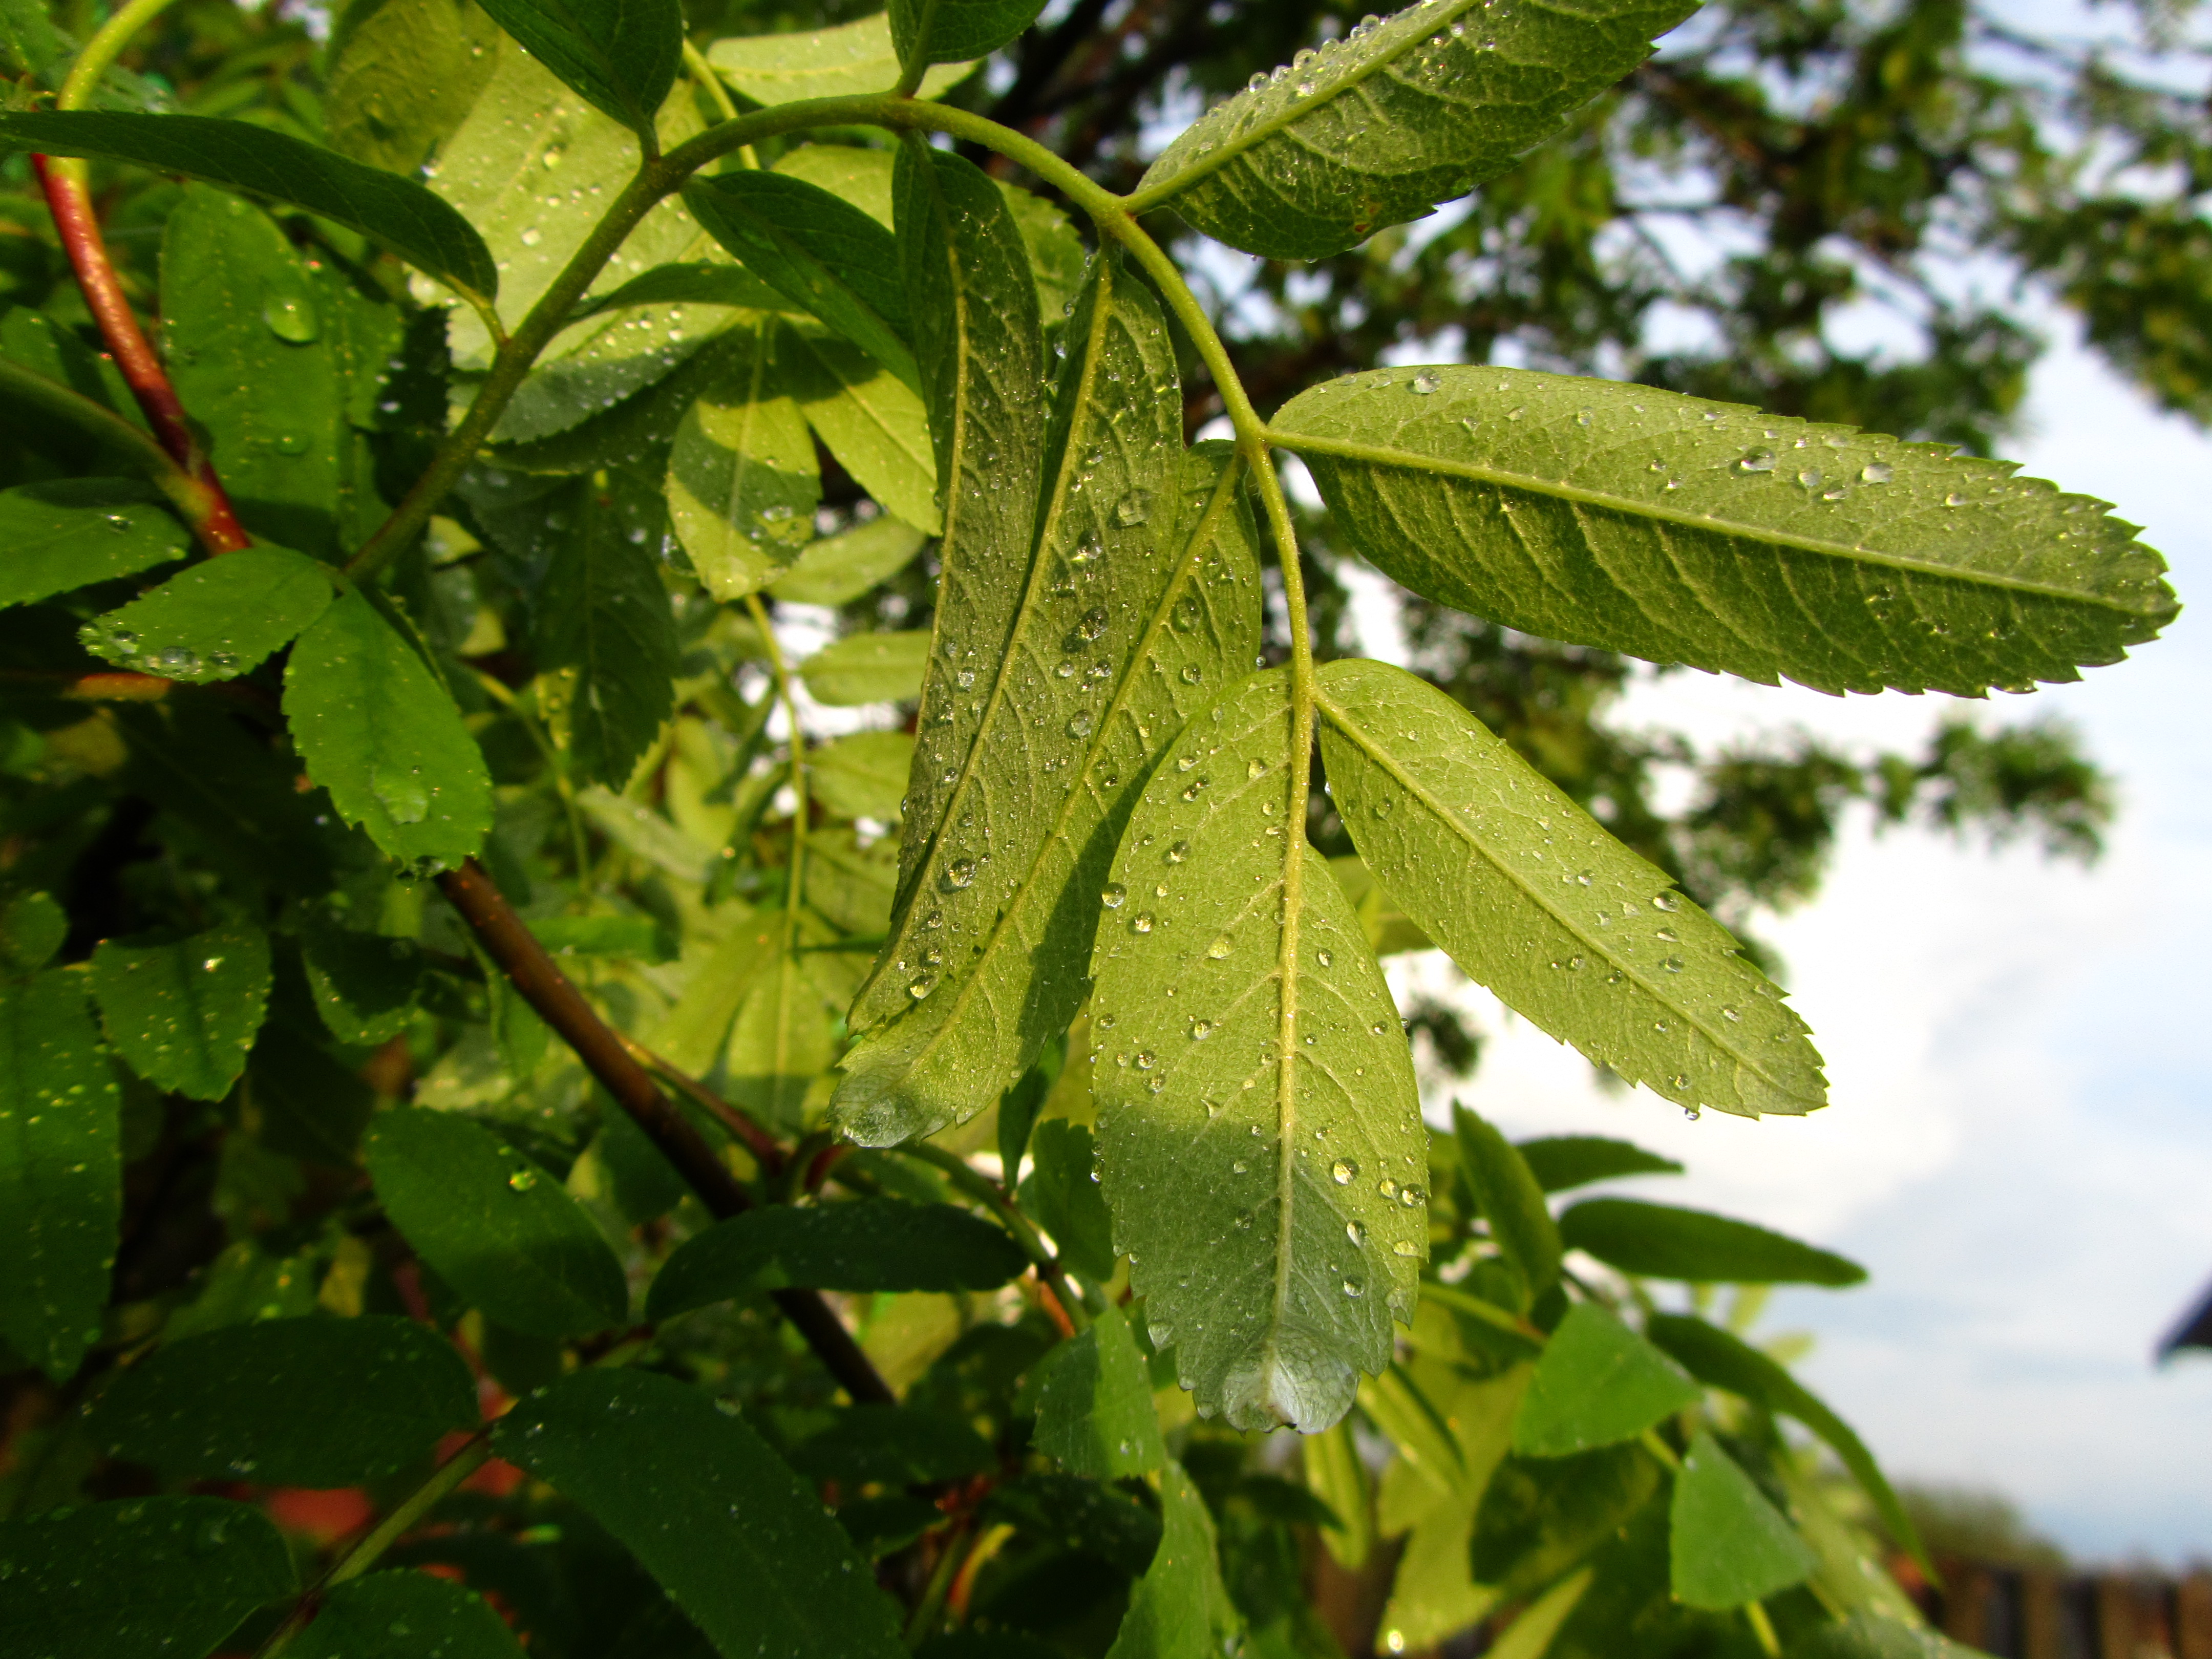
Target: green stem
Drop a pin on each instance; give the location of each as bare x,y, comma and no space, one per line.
1660,1449
1762,1627
101,51
931,1609
702,74
104,426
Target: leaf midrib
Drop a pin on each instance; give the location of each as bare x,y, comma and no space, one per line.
1703,523
1343,721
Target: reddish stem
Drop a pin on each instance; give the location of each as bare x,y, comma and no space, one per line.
220,531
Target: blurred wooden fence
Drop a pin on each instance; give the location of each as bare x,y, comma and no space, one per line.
2016,1614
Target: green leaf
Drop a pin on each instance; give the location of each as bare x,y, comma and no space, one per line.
1662,1241
1714,1356
1727,1543
640,936
954,31
312,1105
182,1012
1095,1404
1536,901
364,984
148,1575
69,533
1062,1191
783,1041
1180,1609
817,250
730,1532
1050,690
838,569
1871,1636
401,213
743,481
1681,530
1259,1125
228,795
403,77
1506,1191
1539,1516
1057,260
1529,1636
377,730
686,282
1377,128
867,1244
1103,1521
404,1615
61,1193
846,62
870,419
1433,1595
1335,1474
1597,1382
864,668
33,927
895,1445
1396,1404
232,1404
862,776
1562,1162
620,55
494,1225
216,619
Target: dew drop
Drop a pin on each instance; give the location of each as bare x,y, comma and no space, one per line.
961,873
1147,1060
523,1180
1200,1030
1424,383
1342,1171
1356,1231
1220,948
1759,460
1323,957
1665,902
1405,1247
1141,922
1876,473
1178,853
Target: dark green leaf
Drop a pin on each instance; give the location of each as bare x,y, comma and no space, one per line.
168,1576
817,250
1728,1543
183,1012
1872,1636
1511,1201
1660,1241
1063,1193
1180,1609
864,668
691,283
622,55
839,568
847,60
1260,1128
1714,1356
494,1225
1539,1517
1536,901
230,796
402,78
731,1534
955,31
743,480
378,731
33,927
864,775
1685,531
310,1104
868,1244
69,533
1135,598
404,1615
292,1402
1597,1383
1080,1515
61,1197
894,1446
382,206
216,619
1017,1112
1562,1162
1095,1404
1379,128
364,984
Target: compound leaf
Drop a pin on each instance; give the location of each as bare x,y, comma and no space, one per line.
405,1615
1597,1382
1681,530
183,1012
728,1530
864,668
245,1401
68,534
377,730
1379,128
1139,599
216,619
1095,1404
1561,1162
493,1226
1258,1126
1664,1240
402,215
955,31
1536,901
743,481
620,55
846,62
1727,1544
61,1193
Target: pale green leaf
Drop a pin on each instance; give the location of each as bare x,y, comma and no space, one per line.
182,1012
216,619
1397,1404
1665,1241
1534,898
1511,1201
781,1043
69,533
1180,1609
864,668
861,176
846,62
849,883
1562,1162
1335,1474
379,732
838,569
1681,530
1529,1636
404,79
872,421
620,54
1597,1381
1432,1595
1390,931
1377,128
1094,1404
61,1188
1259,1124
1727,1544
718,978
1137,600
404,1615
862,776
743,481
949,31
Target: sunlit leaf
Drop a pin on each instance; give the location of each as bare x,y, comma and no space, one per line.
870,419
951,31
864,668
1095,1404
1063,1193
1662,1241
845,62
1729,1545
742,482
1597,1381
864,775
216,619
838,569
402,78
1561,1162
